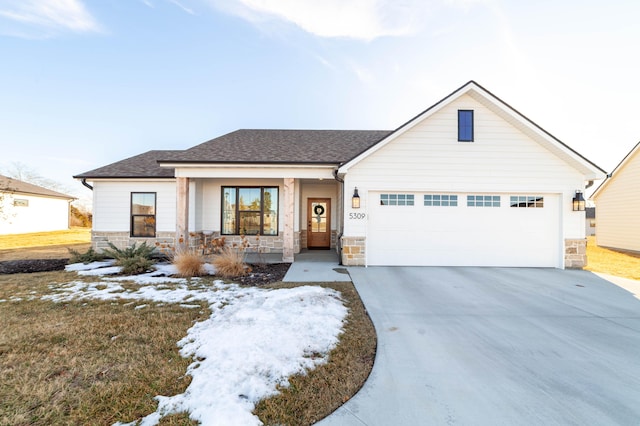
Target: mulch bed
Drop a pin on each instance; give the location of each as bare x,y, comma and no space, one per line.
262,274
32,265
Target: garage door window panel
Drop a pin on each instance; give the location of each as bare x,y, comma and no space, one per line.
483,201
440,200
526,201
397,199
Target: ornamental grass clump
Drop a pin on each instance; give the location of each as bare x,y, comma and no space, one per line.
230,262
189,263
133,260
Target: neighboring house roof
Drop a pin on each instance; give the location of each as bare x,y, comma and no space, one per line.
281,147
140,166
611,176
509,114
15,186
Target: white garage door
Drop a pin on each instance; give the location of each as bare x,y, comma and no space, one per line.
463,229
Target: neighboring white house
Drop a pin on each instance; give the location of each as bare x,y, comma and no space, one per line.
469,181
618,204
28,208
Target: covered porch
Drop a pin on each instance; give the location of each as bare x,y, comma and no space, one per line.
274,216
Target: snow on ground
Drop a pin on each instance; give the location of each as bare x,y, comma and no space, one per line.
253,341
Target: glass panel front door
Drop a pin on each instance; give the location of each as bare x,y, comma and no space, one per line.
319,223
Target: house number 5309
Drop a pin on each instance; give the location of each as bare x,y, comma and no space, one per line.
357,215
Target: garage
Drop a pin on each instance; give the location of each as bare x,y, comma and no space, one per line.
458,229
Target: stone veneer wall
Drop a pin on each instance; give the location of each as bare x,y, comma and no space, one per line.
353,251
575,253
265,244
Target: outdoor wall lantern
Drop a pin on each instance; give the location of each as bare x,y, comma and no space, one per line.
355,200
578,202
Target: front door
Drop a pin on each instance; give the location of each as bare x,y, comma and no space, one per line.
319,223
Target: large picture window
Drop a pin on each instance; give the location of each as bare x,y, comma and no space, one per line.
143,214
249,210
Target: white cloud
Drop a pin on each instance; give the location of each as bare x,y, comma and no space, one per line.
50,14
357,19
182,6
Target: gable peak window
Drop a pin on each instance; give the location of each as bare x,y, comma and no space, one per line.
465,125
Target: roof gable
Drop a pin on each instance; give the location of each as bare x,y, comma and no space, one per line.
506,112
633,155
10,185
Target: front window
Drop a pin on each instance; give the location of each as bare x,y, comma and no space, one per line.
249,210
143,214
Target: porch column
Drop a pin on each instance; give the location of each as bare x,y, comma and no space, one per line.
289,214
182,213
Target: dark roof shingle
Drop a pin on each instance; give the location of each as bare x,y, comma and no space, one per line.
250,146
282,146
140,166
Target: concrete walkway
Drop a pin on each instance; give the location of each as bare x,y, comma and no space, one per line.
316,266
497,346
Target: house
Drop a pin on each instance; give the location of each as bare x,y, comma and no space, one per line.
25,208
469,181
618,202
590,222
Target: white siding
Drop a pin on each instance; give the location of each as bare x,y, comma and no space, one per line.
42,214
618,208
501,159
112,204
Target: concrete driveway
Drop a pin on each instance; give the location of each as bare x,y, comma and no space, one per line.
497,346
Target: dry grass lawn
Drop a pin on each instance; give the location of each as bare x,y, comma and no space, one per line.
97,362
44,245
620,264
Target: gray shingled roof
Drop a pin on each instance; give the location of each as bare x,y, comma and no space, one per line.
250,146
282,146
140,166
11,185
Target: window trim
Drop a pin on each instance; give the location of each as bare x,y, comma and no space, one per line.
154,215
461,126
237,210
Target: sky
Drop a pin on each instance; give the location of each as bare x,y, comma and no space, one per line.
84,83
268,336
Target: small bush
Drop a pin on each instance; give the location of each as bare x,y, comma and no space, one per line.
133,260
189,263
230,262
87,257
144,251
135,265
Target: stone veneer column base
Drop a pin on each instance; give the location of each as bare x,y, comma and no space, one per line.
353,251
575,253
